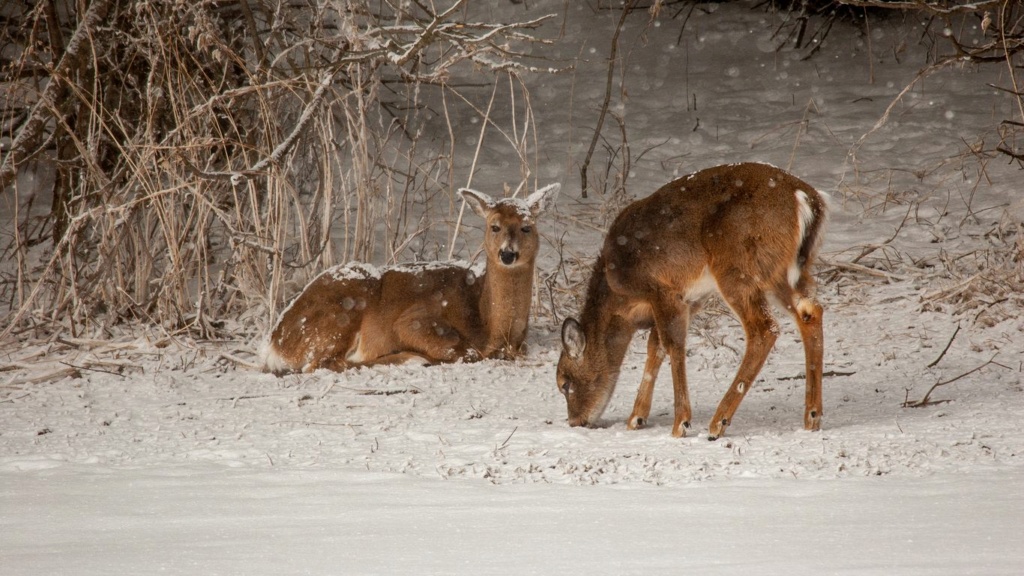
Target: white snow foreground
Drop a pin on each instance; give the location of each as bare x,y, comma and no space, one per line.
206,519
471,469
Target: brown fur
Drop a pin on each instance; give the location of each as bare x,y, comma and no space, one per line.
355,315
738,226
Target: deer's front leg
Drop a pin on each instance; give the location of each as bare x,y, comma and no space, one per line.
672,318
434,339
642,404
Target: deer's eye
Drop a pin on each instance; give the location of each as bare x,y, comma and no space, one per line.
495,228
527,229
566,387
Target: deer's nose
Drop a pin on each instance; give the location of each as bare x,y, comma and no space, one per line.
508,257
575,421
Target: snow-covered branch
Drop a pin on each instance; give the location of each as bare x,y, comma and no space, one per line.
30,134
939,8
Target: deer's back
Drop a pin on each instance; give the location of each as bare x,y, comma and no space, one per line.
443,290
358,300
740,219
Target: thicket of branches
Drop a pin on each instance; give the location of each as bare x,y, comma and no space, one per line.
203,151
988,32
957,32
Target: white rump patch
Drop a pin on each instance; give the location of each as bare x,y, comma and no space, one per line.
804,218
804,213
271,358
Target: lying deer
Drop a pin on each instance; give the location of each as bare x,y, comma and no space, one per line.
749,232
357,315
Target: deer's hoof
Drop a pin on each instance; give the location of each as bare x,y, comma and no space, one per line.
635,422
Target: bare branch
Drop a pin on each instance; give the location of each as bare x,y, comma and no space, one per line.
612,53
922,5
925,401
287,144
31,133
946,349
221,153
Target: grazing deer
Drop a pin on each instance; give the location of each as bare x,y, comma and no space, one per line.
748,231
357,315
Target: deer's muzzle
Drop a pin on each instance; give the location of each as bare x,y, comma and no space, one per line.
575,421
508,257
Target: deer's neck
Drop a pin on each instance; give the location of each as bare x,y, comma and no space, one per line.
606,323
505,307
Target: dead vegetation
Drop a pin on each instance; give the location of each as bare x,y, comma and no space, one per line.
207,159
205,155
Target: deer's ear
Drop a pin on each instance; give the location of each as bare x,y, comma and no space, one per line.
480,203
540,199
574,342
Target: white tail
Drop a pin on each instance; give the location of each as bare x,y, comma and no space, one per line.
749,231
355,314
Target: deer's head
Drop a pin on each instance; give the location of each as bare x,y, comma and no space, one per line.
584,379
510,235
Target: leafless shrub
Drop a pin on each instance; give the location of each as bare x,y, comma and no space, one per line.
207,154
985,285
976,33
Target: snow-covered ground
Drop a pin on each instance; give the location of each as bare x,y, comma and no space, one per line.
151,455
203,519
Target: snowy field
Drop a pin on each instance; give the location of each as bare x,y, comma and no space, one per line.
149,454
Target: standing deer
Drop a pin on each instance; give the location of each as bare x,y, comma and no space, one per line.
357,315
748,231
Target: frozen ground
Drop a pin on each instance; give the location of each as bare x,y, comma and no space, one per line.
148,454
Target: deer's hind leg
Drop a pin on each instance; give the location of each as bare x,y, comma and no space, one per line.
808,315
334,345
311,337
761,330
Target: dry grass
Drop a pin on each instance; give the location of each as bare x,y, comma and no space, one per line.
208,158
